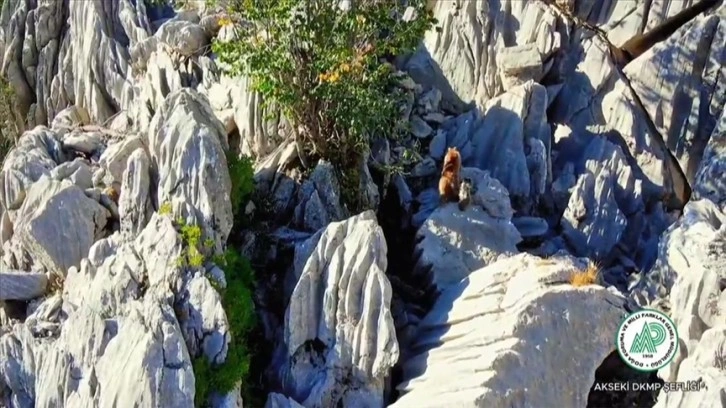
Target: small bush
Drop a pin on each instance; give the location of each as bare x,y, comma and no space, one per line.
587,276
191,235
9,129
241,174
165,208
323,67
240,308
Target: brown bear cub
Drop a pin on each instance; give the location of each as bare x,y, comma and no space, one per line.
465,194
449,181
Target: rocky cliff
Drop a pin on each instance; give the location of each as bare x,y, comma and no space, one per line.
574,158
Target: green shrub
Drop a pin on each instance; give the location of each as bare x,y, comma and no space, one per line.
323,67
241,174
9,129
239,306
165,208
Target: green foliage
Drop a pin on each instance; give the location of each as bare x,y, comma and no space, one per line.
239,306
241,174
323,67
165,208
191,235
9,129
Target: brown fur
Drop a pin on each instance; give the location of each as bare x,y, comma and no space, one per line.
450,175
636,46
113,192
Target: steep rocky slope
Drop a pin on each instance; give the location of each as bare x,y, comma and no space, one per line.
573,157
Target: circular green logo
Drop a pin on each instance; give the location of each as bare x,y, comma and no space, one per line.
647,340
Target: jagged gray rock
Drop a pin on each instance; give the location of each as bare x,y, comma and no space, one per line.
708,182
185,37
461,60
138,357
77,172
452,243
488,334
668,90
135,205
687,281
697,234
115,157
36,153
187,145
276,400
18,285
495,140
339,338
319,199
55,227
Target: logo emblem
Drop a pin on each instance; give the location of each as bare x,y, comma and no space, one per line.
647,340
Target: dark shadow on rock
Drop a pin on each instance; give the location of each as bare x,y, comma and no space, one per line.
425,70
614,371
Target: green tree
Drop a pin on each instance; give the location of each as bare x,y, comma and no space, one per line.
325,67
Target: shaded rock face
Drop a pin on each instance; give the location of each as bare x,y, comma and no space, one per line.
688,281
511,298
562,147
510,138
341,297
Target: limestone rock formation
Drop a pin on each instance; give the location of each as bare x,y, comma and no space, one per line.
453,243
525,309
130,118
339,339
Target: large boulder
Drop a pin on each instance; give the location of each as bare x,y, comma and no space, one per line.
36,153
339,337
453,243
497,338
188,147
55,227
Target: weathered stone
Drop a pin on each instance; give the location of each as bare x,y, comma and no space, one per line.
348,262
488,332
18,285
57,224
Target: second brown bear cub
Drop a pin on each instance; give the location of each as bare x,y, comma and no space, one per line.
449,182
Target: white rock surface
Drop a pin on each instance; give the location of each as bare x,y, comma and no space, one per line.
691,246
55,226
690,269
453,243
705,364
340,342
139,357
17,285
135,198
461,60
496,339
187,146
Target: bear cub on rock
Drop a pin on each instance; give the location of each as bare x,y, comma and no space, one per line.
450,174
